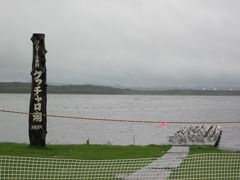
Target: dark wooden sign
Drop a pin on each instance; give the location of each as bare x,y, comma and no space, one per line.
38,100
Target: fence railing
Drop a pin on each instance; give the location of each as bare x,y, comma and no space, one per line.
193,167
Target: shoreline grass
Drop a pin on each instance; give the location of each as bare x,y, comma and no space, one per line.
97,152
199,149
84,151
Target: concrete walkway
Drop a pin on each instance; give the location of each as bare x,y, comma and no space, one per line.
162,167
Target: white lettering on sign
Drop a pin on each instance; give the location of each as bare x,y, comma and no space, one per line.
37,107
37,76
36,127
37,56
37,117
37,90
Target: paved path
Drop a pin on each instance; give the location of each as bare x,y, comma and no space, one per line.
162,167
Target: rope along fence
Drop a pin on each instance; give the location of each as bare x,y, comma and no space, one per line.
193,167
118,120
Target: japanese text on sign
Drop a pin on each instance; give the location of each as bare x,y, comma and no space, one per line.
37,106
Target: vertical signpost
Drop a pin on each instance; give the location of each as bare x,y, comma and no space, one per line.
37,110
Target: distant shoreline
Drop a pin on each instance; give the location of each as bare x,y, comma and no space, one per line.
25,88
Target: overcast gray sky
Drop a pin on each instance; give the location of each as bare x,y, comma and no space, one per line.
129,43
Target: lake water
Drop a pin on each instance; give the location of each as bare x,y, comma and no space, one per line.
14,127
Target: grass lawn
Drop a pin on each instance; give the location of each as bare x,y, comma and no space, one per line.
84,151
74,161
98,161
204,163
196,149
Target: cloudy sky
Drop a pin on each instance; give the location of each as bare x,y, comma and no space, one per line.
128,43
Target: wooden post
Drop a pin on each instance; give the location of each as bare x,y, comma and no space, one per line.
38,100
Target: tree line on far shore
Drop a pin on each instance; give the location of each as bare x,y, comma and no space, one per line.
19,87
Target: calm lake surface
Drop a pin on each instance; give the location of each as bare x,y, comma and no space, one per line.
14,127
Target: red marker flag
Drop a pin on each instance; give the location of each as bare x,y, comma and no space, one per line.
164,123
